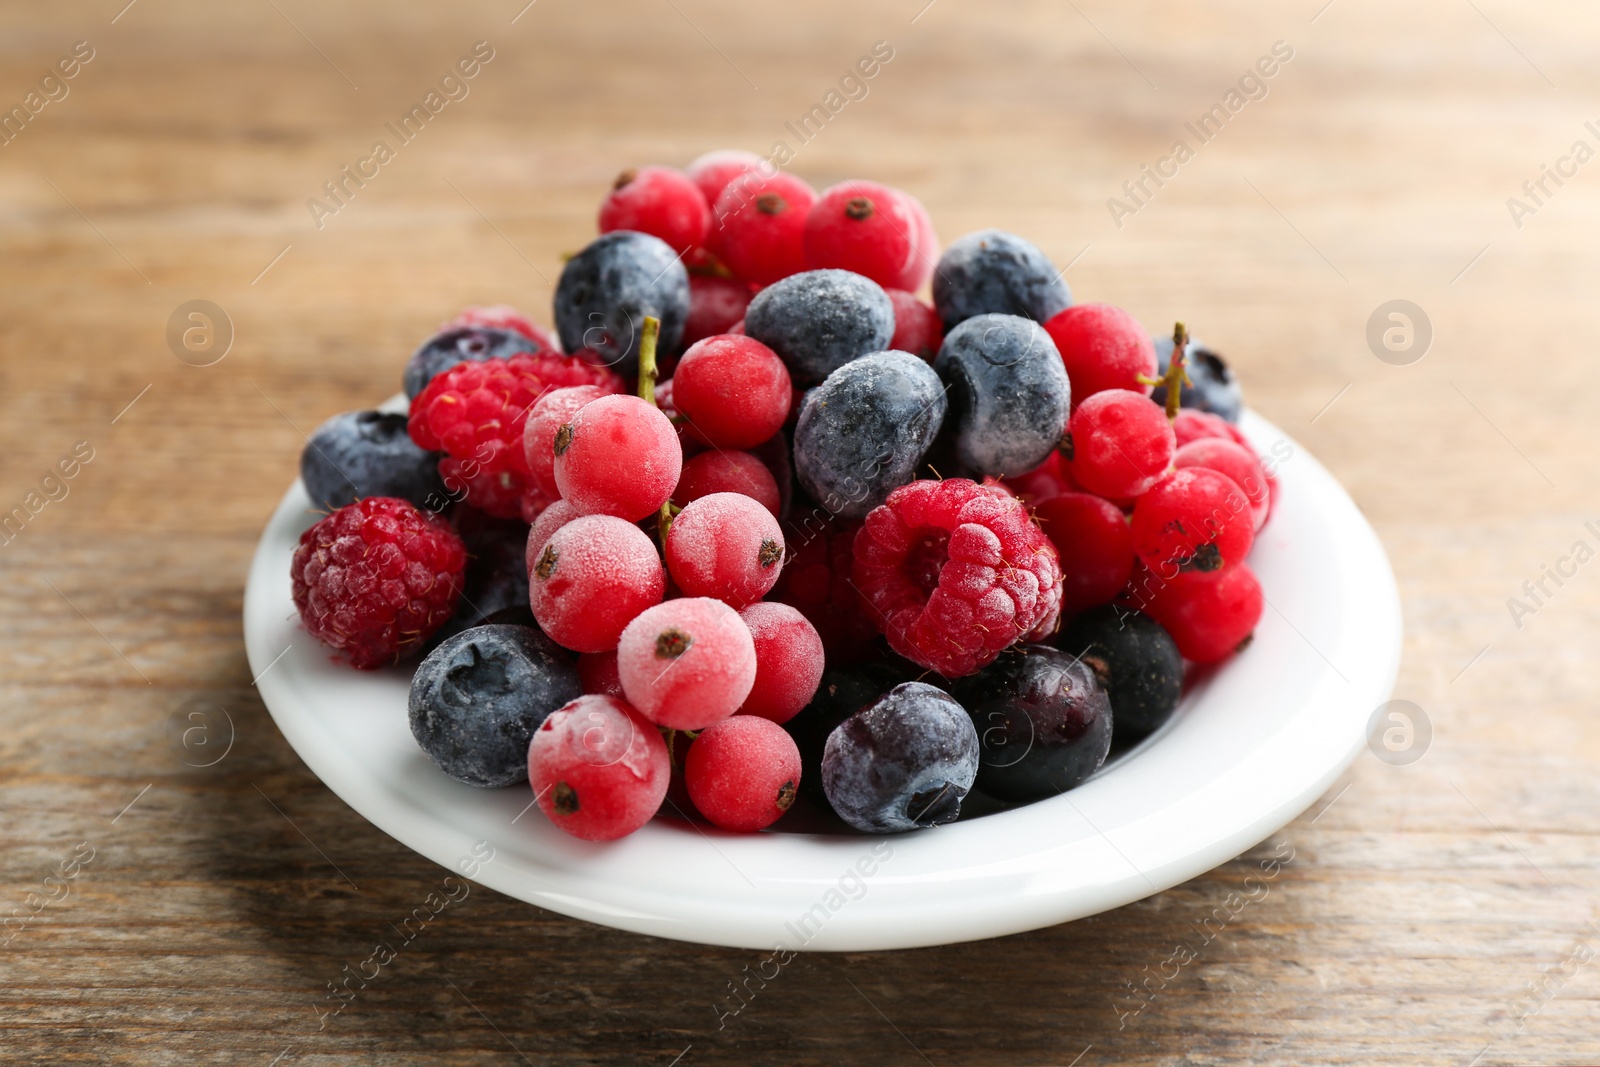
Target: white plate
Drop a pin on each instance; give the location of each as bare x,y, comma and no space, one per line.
1250,748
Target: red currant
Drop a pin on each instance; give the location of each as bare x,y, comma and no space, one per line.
659,201
687,663
598,673
1103,347
1095,542
867,228
727,546
789,661
1120,443
743,773
1192,520
598,769
761,225
713,171
917,326
727,472
733,392
714,305
1210,616
539,435
1235,461
591,578
617,456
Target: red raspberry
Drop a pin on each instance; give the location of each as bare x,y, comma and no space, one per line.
661,202
618,456
918,329
1193,520
733,392
727,546
591,578
598,770
727,472
1095,544
505,317
957,572
743,773
1119,443
714,305
687,663
867,228
1102,347
789,661
761,223
817,580
477,414
376,578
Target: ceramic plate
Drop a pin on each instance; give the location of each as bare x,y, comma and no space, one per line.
1252,745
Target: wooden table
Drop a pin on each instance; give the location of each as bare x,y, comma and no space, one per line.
1437,913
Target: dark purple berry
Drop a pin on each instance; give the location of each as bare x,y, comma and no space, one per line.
367,453
463,344
1135,660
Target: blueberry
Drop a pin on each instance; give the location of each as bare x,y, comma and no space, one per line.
1009,396
477,699
994,272
1043,720
1134,659
905,762
495,587
606,291
462,344
820,320
843,692
367,453
1215,387
863,431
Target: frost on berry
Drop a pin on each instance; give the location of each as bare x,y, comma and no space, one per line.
590,578
956,572
687,663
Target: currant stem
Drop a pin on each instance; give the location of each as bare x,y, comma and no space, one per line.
1176,376
647,392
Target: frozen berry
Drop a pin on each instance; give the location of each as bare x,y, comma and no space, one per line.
727,546
927,246
506,317
712,171
733,392
591,578
903,763
478,413
598,770
1043,722
546,417
1192,520
368,453
1045,481
463,344
1212,385
993,272
1192,424
1210,616
1009,398
617,456
1119,444
867,228
842,692
863,432
788,661
820,320
477,699
743,773
659,201
714,305
762,222
687,663
817,579
727,472
377,578
1136,662
956,572
607,290
917,326
1103,347
1095,543
598,673
1237,462
544,527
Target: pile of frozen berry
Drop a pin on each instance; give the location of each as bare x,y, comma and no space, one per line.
759,525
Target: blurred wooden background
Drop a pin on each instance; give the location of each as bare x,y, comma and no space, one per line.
1438,913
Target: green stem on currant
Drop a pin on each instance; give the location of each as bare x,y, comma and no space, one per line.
648,338
1177,374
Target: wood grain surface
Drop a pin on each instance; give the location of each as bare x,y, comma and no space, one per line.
1438,913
